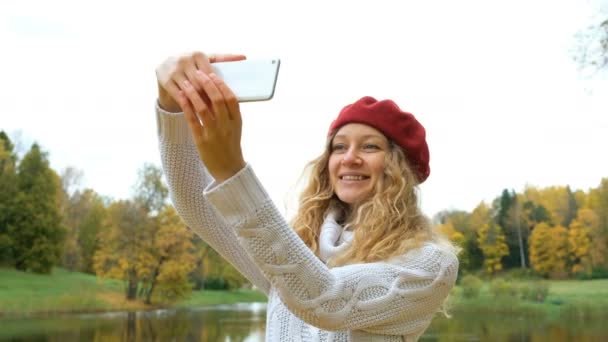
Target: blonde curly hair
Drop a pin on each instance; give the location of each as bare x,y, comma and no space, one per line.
389,223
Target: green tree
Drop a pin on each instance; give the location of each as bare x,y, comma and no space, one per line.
38,232
480,216
8,194
598,202
507,216
84,216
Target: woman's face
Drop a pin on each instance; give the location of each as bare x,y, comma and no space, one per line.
356,162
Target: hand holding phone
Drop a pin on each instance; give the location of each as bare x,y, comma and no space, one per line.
250,79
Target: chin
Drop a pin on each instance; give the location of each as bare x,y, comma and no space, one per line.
352,199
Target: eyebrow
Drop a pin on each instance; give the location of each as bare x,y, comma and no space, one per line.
366,136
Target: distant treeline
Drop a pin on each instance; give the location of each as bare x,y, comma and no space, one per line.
44,223
555,232
141,240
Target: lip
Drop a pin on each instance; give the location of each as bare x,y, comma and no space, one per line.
352,174
365,178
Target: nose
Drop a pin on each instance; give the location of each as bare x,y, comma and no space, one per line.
351,157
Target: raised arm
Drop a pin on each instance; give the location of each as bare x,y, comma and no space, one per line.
396,298
186,175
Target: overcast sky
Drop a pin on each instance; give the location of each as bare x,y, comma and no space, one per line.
493,82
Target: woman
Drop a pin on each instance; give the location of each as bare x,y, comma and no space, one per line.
361,262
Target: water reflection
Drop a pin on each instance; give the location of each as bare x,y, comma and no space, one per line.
246,322
243,322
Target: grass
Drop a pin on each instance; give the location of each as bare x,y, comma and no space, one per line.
26,294
213,297
23,294
567,298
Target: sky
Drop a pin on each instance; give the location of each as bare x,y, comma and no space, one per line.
494,83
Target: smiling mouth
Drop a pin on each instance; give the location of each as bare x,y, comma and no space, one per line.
353,178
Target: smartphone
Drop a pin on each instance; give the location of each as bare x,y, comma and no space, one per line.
250,79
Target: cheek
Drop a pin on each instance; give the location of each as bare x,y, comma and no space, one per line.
332,168
378,167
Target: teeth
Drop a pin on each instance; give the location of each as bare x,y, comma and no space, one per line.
353,177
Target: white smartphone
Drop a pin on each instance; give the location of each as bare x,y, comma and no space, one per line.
250,79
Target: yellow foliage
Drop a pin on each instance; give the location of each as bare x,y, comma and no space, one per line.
450,233
588,243
554,199
549,250
154,252
492,243
480,216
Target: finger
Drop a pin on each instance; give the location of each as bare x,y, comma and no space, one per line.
173,90
204,117
181,79
200,107
191,76
216,98
202,62
215,58
196,129
232,103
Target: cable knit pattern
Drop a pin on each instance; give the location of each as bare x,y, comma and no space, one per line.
384,301
187,179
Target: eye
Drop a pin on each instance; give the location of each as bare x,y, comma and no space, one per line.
371,147
338,147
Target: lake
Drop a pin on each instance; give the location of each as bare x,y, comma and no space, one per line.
246,323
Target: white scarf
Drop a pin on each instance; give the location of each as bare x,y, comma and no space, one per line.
333,239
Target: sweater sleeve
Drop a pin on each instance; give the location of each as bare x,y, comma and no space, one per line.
394,298
187,178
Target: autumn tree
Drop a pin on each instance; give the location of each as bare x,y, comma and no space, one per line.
38,232
171,259
570,209
549,250
588,220
457,225
491,241
579,245
150,190
146,243
447,229
124,243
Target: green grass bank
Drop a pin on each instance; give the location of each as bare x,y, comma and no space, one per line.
26,294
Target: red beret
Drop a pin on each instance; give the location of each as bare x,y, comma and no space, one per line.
397,125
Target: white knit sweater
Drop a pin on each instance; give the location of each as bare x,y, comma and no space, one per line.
307,301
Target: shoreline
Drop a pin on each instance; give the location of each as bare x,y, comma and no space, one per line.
26,295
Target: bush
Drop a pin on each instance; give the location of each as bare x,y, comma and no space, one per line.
535,292
599,273
503,289
471,285
215,283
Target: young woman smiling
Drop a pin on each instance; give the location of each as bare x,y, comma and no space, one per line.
359,262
